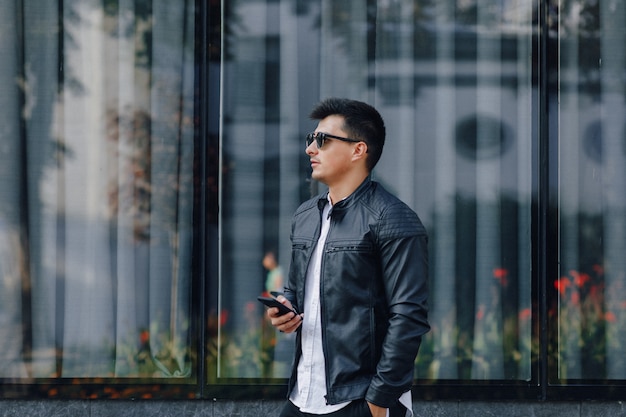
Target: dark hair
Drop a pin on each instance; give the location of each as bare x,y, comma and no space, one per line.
361,121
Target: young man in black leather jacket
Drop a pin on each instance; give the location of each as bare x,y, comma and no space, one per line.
358,277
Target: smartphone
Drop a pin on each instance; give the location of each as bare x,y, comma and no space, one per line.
272,302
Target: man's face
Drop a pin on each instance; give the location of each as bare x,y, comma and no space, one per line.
333,161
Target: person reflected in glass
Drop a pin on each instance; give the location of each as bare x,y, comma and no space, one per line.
274,277
358,277
276,346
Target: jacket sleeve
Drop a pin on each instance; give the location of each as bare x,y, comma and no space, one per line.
402,242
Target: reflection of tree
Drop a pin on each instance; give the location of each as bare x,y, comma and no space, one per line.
134,185
46,82
580,17
32,145
234,25
139,27
576,24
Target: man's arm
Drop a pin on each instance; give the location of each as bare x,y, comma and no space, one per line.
404,263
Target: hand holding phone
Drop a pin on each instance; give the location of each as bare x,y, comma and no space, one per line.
272,302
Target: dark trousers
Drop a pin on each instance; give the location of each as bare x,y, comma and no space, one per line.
357,408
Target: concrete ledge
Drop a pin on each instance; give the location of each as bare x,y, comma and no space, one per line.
207,408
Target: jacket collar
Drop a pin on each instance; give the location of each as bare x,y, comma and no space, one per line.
340,207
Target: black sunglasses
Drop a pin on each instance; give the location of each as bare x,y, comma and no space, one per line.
320,138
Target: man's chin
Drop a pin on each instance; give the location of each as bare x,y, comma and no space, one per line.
318,177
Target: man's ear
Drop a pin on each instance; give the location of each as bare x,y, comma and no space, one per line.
359,150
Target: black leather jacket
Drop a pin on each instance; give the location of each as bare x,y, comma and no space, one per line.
374,289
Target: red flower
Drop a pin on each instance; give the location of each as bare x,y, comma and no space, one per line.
480,314
580,279
610,317
251,307
594,291
501,274
223,317
144,337
562,284
598,269
525,314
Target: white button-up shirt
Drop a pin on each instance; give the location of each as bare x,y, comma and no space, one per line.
310,389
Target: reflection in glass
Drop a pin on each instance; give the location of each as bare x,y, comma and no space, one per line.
454,83
96,189
591,284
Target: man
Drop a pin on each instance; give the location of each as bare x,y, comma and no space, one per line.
358,277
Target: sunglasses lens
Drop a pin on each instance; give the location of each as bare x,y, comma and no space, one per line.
320,140
317,137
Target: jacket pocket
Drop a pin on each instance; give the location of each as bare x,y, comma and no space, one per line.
346,246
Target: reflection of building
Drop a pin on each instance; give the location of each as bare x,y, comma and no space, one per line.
515,164
457,103
465,104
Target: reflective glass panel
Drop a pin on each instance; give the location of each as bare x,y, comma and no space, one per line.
454,83
96,191
590,295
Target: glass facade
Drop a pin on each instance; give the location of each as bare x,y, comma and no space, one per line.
590,298
454,84
152,154
96,186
